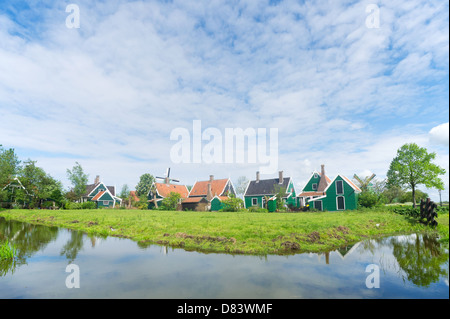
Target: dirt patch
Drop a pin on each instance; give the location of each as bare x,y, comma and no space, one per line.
75,221
313,237
287,245
91,223
206,238
343,229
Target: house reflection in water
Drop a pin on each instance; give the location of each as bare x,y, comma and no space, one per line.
343,252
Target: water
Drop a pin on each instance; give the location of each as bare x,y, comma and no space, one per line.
412,266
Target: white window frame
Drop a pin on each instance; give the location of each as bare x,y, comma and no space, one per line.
342,182
314,186
253,201
316,175
106,202
337,202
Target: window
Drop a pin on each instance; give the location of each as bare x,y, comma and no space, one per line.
314,186
340,203
106,202
318,204
339,187
254,201
315,175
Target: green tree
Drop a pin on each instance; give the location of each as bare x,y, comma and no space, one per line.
280,193
125,194
367,199
412,167
232,204
393,194
9,168
78,179
407,196
171,201
40,184
145,182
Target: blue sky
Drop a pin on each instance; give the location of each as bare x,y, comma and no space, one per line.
108,94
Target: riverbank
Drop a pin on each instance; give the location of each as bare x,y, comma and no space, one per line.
238,233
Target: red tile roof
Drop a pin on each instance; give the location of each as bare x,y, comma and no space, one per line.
164,190
201,188
99,194
134,196
193,200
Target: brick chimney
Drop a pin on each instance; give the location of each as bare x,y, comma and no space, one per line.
97,179
209,195
211,178
280,177
166,180
323,180
257,177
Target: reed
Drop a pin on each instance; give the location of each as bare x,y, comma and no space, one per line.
7,251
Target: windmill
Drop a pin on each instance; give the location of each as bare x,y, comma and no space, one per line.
364,183
16,185
167,180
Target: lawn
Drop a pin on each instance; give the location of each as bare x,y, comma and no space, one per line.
242,232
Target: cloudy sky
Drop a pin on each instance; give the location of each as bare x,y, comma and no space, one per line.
340,89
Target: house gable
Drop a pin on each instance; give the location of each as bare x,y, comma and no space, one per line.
313,183
100,187
341,194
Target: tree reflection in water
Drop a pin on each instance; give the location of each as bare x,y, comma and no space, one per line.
27,238
422,259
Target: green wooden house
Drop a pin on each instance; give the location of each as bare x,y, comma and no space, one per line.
103,195
321,193
259,191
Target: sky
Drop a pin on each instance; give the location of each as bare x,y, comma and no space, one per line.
344,83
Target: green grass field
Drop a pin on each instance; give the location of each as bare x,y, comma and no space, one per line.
242,232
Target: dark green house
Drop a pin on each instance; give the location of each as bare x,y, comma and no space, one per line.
104,196
321,193
261,192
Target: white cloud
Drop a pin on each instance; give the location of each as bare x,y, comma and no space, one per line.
440,134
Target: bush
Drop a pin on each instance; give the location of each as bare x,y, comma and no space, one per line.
367,199
256,209
86,205
232,204
407,211
89,205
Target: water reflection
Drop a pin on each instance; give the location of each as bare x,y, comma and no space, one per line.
414,260
421,259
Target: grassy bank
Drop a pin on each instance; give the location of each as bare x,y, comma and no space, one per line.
252,233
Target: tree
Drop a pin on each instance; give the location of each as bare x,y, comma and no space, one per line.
368,199
393,194
232,204
171,201
412,167
40,184
241,185
125,194
407,196
9,168
145,182
78,179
